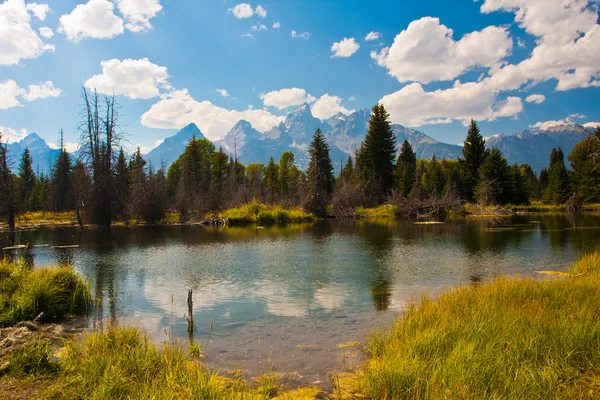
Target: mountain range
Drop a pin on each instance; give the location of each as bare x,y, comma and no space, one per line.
344,134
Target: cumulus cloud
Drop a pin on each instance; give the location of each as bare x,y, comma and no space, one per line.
276,25
372,36
567,37
39,10
260,11
593,125
242,10
71,147
286,97
223,92
138,13
426,52
46,32
542,126
18,40
94,19
136,79
344,48
10,135
303,35
413,106
327,106
178,108
11,94
578,116
536,98
259,27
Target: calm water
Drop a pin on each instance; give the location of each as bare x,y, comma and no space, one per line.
284,298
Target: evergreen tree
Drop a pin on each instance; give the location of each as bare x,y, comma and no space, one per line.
286,162
27,181
474,154
40,194
7,188
377,155
319,175
531,181
558,189
520,188
62,191
272,180
585,163
495,181
406,168
136,165
123,183
542,182
347,173
255,180
173,179
220,170
433,179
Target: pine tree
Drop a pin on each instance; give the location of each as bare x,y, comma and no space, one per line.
286,162
61,192
220,171
433,179
531,181
320,176
27,181
7,188
474,154
123,184
378,155
406,168
272,180
585,163
543,179
520,188
495,181
558,189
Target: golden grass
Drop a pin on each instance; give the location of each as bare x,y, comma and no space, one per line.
258,213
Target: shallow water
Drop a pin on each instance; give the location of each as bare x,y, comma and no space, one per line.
284,298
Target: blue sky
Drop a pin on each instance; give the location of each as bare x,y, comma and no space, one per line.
510,64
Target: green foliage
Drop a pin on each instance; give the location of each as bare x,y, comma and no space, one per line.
286,162
558,189
495,180
585,162
377,155
520,186
474,153
31,359
24,293
61,196
27,181
406,169
272,181
320,176
507,339
255,212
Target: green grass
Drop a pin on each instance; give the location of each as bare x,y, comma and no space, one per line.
258,213
508,339
383,212
26,292
121,362
33,359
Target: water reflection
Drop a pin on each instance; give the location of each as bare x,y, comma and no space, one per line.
326,270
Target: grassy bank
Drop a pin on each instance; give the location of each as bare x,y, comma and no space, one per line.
510,338
26,292
258,213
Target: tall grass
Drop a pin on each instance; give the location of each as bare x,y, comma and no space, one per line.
122,363
258,213
507,339
383,212
26,292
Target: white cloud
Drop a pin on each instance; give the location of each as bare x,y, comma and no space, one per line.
39,10
136,79
372,36
242,10
17,38
426,52
46,32
247,35
327,106
11,94
223,92
94,19
276,25
542,126
286,97
259,27
139,13
42,91
303,35
578,116
536,98
593,125
260,11
413,106
10,135
567,37
344,48
178,108
71,147
351,98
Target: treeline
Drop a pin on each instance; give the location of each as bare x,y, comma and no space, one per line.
105,185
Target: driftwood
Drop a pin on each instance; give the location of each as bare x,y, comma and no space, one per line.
190,317
574,205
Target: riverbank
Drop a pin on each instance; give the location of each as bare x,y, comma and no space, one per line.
508,338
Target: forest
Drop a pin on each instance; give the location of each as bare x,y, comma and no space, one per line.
104,184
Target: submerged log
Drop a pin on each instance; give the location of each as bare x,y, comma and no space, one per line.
190,317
